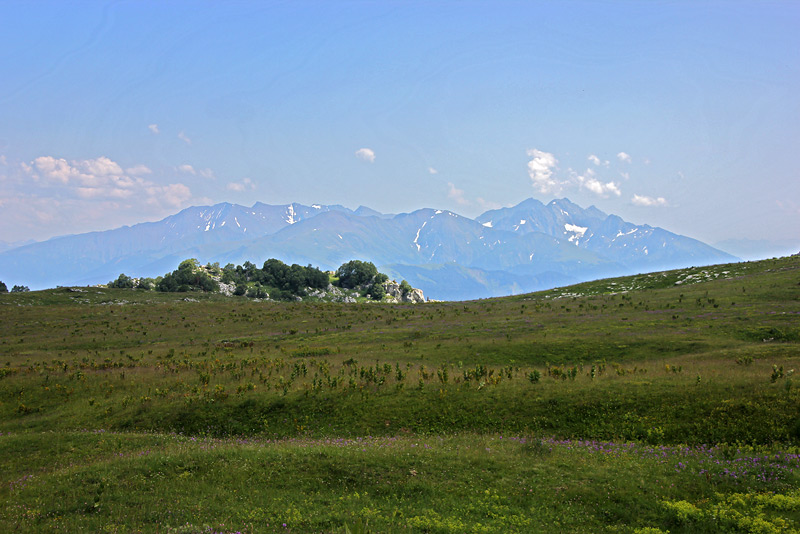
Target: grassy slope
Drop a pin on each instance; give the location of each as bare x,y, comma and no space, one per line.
663,360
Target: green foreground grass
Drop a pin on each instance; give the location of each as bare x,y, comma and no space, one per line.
662,402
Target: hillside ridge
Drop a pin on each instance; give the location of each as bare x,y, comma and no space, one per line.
518,249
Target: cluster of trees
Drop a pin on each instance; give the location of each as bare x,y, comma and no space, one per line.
357,273
15,289
275,279
126,282
187,277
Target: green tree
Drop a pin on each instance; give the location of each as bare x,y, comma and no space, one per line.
405,288
356,273
230,274
123,281
145,283
316,278
377,291
275,273
188,277
20,289
3,288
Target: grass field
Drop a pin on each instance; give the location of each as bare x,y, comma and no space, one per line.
652,403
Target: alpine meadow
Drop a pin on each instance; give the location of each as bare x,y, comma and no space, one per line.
399,267
662,402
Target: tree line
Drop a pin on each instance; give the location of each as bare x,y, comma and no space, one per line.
274,279
14,289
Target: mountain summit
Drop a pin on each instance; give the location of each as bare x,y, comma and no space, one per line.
523,248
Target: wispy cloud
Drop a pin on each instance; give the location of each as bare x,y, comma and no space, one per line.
137,170
597,161
788,206
590,182
185,138
649,202
456,194
366,154
85,172
51,195
623,157
540,171
239,187
153,128
174,195
189,169
488,204
3,160
102,178
431,170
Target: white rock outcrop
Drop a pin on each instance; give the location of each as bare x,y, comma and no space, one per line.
395,294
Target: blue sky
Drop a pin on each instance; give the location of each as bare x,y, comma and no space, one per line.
683,115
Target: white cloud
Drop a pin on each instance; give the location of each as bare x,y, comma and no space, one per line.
590,182
239,187
138,170
50,196
3,160
188,169
456,194
540,170
623,157
183,137
153,128
789,206
101,166
102,178
431,170
53,169
488,204
86,172
367,154
597,161
174,195
102,192
640,200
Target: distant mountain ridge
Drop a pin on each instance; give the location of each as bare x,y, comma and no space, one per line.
523,248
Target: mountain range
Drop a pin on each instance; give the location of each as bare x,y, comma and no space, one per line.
524,248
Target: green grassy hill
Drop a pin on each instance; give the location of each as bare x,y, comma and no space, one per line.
663,401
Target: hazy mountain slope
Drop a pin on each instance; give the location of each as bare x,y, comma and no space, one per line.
453,282
638,247
92,257
522,248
